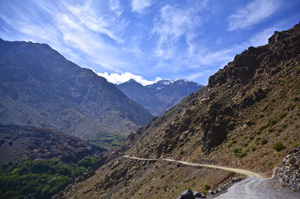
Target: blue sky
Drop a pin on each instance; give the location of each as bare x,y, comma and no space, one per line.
148,39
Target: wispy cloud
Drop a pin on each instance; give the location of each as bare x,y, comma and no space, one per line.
108,24
79,31
116,7
261,38
173,24
202,73
253,13
151,38
116,78
140,6
213,58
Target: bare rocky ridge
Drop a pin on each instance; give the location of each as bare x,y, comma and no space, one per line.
39,87
236,121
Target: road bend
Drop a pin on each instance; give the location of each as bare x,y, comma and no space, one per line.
252,187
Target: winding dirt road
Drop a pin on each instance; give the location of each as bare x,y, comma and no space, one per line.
253,187
241,171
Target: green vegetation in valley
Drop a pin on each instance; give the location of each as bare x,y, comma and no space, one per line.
108,141
39,178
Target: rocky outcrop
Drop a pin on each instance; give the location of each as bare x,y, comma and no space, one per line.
287,176
222,189
188,194
282,46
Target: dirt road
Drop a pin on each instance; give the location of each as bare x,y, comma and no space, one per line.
241,171
253,187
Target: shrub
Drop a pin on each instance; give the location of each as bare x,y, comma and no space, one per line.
264,141
270,130
253,149
296,99
278,146
237,150
246,144
207,187
281,115
234,141
251,137
290,107
1,141
241,155
273,122
165,188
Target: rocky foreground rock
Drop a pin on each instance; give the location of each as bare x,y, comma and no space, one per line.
188,194
287,176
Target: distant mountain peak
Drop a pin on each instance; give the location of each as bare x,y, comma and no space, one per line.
161,95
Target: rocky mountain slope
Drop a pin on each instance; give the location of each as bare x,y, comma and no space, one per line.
39,87
18,142
247,117
159,97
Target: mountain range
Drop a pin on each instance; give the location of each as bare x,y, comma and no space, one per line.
160,96
247,117
39,87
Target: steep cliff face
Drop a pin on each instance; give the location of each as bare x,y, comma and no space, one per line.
39,87
247,110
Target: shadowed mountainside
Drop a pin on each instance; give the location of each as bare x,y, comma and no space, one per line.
39,87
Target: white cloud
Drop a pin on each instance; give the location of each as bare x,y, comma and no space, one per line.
109,24
116,7
204,73
213,58
116,78
262,37
139,6
173,24
253,13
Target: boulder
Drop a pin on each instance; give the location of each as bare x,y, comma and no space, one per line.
287,175
198,195
187,194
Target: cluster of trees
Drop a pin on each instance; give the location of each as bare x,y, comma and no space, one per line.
39,178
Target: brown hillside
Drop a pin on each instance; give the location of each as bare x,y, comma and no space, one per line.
250,105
